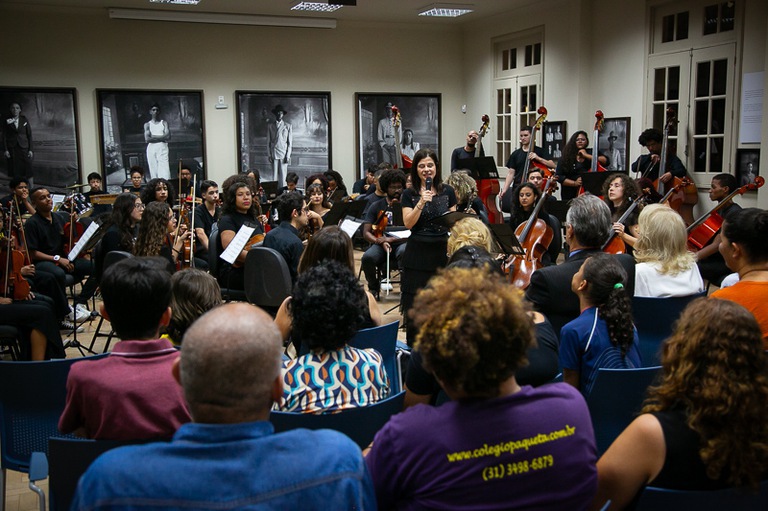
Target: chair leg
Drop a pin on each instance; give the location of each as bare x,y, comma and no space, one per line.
3,475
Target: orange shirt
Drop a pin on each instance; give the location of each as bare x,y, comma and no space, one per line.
753,296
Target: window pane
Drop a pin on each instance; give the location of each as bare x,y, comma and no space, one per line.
659,83
710,19
500,100
658,116
673,128
682,26
720,77
523,99
727,15
507,127
537,53
513,58
533,102
505,60
668,28
702,79
528,55
700,155
716,155
507,101
673,83
718,116
700,123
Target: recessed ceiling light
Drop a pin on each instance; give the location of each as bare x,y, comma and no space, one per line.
177,2
315,6
445,10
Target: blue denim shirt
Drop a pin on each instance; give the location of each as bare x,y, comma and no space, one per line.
231,466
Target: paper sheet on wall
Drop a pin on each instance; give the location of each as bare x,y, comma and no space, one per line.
89,232
237,244
751,118
350,226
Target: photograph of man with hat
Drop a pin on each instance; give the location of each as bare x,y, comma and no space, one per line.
279,145
612,153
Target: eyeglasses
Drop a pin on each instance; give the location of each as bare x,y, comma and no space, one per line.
139,206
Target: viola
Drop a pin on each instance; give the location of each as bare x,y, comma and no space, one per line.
702,231
256,238
379,227
534,236
599,127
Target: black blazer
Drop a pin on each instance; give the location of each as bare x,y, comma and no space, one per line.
550,288
13,137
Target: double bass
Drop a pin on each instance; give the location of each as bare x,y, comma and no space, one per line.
487,189
534,236
706,227
599,127
545,171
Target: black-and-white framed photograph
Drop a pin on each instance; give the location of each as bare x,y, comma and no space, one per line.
281,132
159,131
747,166
613,143
377,139
554,135
39,138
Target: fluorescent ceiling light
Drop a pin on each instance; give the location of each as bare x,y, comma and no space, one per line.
315,6
221,19
177,2
445,10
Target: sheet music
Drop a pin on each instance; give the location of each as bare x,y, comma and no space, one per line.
89,232
403,235
350,226
237,244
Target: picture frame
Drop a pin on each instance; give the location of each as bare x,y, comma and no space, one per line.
554,136
747,166
49,118
307,122
420,114
614,143
124,115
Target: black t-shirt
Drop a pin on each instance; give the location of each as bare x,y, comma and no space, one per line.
44,236
233,222
204,221
517,161
375,210
440,204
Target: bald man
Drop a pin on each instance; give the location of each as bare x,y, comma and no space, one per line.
229,456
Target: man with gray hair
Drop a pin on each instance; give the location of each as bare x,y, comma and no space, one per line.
229,456
587,226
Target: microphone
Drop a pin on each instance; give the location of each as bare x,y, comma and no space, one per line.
428,183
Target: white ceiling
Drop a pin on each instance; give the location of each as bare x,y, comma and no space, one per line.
402,11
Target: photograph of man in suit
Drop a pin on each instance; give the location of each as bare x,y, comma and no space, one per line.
16,143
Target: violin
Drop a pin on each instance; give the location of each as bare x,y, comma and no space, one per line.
614,244
599,127
534,236
13,283
702,231
379,227
256,238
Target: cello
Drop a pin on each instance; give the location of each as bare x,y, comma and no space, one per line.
488,189
599,127
614,244
706,227
534,236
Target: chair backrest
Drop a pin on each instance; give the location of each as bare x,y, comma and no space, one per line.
654,318
213,251
384,340
360,424
68,459
32,397
662,499
615,400
556,245
114,257
267,278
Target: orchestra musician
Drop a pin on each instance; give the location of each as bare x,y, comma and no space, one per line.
159,189
293,216
317,203
467,197
647,165
19,196
525,198
122,227
466,152
577,158
380,215
619,191
516,161
206,214
156,234
137,180
337,191
710,261
94,181
240,208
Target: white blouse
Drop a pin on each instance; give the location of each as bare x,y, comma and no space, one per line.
650,282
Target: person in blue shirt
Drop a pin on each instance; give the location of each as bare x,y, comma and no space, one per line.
603,335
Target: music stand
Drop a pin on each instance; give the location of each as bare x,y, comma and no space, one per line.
270,189
506,239
449,218
483,167
341,210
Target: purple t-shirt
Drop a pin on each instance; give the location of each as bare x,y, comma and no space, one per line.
532,450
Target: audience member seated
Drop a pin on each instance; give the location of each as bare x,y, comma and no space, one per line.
130,394
158,226
330,244
542,367
327,308
703,427
230,457
467,199
374,232
469,232
665,267
744,246
293,217
240,208
497,445
603,335
193,293
158,190
587,226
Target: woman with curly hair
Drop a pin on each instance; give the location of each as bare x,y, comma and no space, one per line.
665,267
703,426
194,292
156,234
619,192
469,232
603,335
744,246
337,190
240,208
158,190
473,334
576,158
467,199
327,308
122,227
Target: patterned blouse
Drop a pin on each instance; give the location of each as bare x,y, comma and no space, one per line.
334,380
